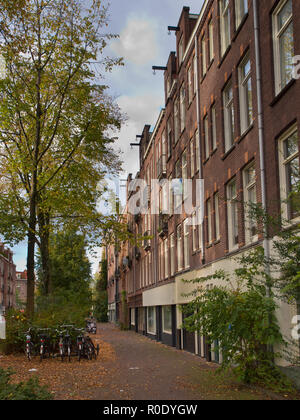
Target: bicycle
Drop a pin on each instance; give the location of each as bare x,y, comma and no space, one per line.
44,343
80,342
29,345
65,342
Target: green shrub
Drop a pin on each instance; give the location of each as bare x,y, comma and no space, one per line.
16,326
30,390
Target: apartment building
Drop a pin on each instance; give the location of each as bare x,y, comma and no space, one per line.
7,278
231,117
21,287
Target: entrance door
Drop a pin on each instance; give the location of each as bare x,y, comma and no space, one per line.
188,338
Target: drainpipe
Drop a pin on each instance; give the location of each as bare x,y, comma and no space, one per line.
199,135
260,125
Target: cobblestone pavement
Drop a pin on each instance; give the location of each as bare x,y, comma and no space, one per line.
146,370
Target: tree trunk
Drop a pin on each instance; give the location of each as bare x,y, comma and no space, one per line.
30,256
43,221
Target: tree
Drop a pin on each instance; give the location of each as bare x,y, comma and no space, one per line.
52,110
100,297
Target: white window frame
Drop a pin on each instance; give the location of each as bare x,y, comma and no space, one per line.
246,106
282,172
179,248
176,120
229,120
217,216
182,108
249,185
209,221
225,15
232,217
172,252
206,137
153,331
192,156
277,33
164,328
204,59
166,258
211,41
197,147
241,9
186,245
214,127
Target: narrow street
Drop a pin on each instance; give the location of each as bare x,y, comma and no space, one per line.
133,367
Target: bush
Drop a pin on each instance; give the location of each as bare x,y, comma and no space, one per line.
30,390
16,326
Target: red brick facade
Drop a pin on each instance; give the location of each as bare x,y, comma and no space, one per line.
7,278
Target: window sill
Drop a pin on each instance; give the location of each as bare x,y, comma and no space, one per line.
282,92
228,152
217,241
224,56
203,78
239,28
245,133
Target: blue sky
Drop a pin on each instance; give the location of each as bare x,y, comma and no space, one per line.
144,41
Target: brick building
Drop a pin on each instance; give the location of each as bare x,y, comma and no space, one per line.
21,286
231,117
7,278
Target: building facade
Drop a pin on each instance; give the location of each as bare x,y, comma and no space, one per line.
21,287
231,118
7,279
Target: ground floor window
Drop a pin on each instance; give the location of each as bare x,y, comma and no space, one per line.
167,319
151,320
132,316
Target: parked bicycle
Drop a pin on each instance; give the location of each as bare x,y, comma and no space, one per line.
29,345
45,347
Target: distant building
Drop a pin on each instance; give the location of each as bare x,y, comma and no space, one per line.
7,278
21,286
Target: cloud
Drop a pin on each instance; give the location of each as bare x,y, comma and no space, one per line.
138,41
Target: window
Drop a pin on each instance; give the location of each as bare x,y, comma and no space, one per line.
194,227
190,84
200,228
214,127
161,253
184,175
209,224
182,108
179,248
180,51
217,216
228,116
178,186
250,200
192,156
283,36
241,8
195,75
289,173
151,320
171,196
204,63
197,140
224,25
245,88
169,134
167,319
172,251
211,41
166,254
232,215
206,137
186,232
176,120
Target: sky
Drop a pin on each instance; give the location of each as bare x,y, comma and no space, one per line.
143,42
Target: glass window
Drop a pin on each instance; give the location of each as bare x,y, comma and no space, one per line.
166,254
214,127
182,108
209,224
176,120
206,137
224,25
228,116
217,216
245,88
204,62
179,248
241,8
172,251
250,200
289,173
167,319
186,231
197,140
151,320
283,44
232,215
192,156
211,40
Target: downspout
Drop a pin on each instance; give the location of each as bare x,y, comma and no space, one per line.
199,135
260,126
261,141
